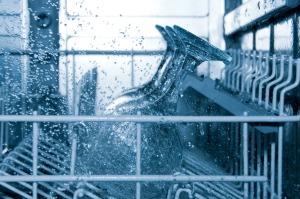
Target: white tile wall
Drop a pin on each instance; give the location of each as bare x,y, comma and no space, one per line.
12,38
263,39
11,7
153,8
283,36
126,25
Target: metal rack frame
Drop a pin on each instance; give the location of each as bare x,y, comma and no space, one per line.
145,178
235,77
266,169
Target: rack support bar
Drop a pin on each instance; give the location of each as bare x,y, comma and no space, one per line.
133,178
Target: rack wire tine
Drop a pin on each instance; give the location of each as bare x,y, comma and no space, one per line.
283,84
254,70
245,156
274,82
257,72
236,66
247,70
35,155
273,73
227,67
74,146
259,78
241,72
238,69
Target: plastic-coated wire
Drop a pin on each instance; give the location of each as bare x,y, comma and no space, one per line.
252,169
264,57
46,154
205,168
73,155
226,68
133,178
53,146
15,190
273,145
35,155
274,82
258,164
74,146
229,69
271,76
148,119
138,157
236,146
247,67
263,75
265,184
208,190
180,190
256,72
222,189
238,73
41,166
249,74
42,159
48,150
23,183
81,192
245,156
29,168
283,84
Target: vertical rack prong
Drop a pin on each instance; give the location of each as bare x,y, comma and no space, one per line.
283,84
235,67
273,148
252,169
277,80
73,153
240,72
265,184
35,155
258,188
245,156
138,156
274,59
260,74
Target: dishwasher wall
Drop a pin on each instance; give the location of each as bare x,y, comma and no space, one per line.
94,41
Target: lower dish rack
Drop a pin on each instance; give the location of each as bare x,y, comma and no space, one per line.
54,159
41,166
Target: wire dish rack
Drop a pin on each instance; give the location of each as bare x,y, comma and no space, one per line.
253,90
53,159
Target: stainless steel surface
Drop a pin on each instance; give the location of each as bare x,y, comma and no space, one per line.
255,11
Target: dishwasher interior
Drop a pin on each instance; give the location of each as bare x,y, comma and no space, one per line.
149,99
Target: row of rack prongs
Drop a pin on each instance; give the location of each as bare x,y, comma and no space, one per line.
265,80
261,74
